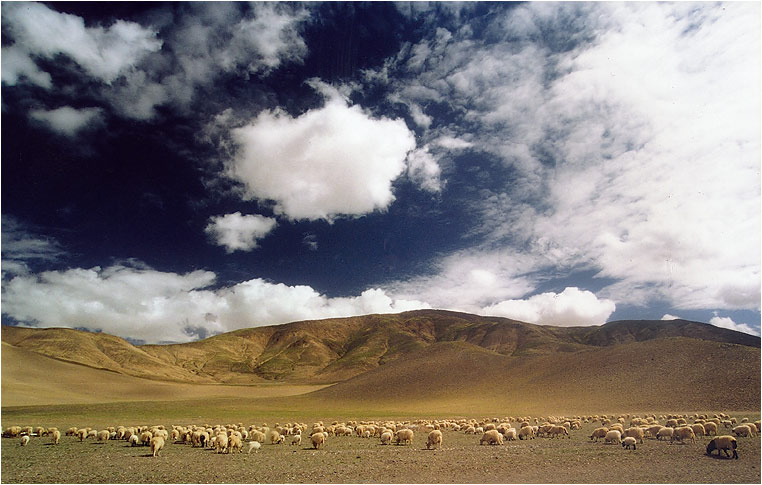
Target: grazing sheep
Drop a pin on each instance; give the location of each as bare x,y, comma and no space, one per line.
635,432
526,432
24,440
435,439
235,443
405,436
629,442
510,434
682,433
556,431
386,437
491,437
134,440
56,435
711,428
253,445
145,438
257,436
723,443
599,433
318,440
275,438
221,443
665,432
296,440
104,435
157,443
613,436
742,430
698,429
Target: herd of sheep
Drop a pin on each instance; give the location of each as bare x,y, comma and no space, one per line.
492,431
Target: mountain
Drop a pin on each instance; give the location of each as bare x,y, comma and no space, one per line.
335,350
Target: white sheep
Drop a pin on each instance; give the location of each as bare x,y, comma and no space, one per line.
682,433
134,440
253,445
510,434
386,437
723,443
157,443
104,435
491,437
665,432
405,436
296,440
629,442
599,433
635,432
613,436
711,428
318,440
742,430
221,442
235,443
56,436
435,439
24,440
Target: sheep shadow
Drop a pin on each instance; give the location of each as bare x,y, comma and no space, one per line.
720,456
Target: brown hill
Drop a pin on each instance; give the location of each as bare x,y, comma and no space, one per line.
333,350
667,373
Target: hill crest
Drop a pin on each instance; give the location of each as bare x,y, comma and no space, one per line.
337,349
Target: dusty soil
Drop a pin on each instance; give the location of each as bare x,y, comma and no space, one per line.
358,460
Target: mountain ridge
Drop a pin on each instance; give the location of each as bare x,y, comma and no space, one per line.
338,349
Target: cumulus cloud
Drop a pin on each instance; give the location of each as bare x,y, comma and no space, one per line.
133,300
667,316
238,232
104,53
67,120
423,169
727,322
332,161
572,307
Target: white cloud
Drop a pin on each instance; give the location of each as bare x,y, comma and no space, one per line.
139,302
67,120
651,125
727,322
667,316
16,64
105,53
423,169
20,246
571,307
238,232
333,161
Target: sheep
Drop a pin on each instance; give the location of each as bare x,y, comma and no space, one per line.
698,429
133,440
157,443
275,438
599,433
435,439
526,432
682,433
723,443
628,442
711,428
235,443
665,432
104,435
145,438
56,436
386,437
613,436
296,440
405,436
253,445
491,437
318,440
556,431
221,442
635,432
742,430
510,434
24,440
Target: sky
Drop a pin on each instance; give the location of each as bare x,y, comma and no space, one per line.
172,171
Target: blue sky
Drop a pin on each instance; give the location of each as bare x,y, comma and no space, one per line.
175,170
